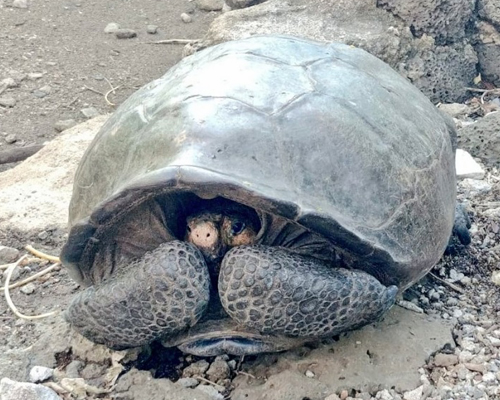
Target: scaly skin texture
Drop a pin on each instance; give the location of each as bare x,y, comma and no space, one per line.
275,291
164,292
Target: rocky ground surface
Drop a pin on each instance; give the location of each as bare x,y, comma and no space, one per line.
58,61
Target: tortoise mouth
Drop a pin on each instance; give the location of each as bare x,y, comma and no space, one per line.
216,337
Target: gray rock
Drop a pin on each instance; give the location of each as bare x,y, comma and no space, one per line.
12,390
455,110
12,138
9,83
488,52
236,4
90,112
112,27
446,22
8,254
152,29
219,370
445,360
210,391
14,276
43,91
28,289
20,4
467,167
474,187
188,382
125,33
7,102
40,374
210,5
441,70
73,369
196,369
186,18
64,124
489,10
92,371
482,139
35,76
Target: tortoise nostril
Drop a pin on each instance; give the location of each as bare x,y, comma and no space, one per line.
208,234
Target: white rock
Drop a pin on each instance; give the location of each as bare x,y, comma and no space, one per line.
112,27
309,374
186,18
414,394
40,374
211,391
495,277
475,187
466,166
20,4
489,377
12,390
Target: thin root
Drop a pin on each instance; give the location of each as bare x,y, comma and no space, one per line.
42,255
454,287
112,90
33,277
9,300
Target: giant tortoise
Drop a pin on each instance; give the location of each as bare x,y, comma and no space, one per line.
264,193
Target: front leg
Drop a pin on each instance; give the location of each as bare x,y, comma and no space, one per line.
162,293
273,290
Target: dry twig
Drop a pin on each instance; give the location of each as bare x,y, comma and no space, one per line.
34,277
112,90
42,255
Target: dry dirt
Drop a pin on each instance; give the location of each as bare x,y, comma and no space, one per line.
62,44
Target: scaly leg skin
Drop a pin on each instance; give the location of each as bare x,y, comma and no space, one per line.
167,290
273,290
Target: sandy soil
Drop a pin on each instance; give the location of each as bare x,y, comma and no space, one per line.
62,45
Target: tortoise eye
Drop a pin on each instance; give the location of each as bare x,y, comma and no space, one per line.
237,227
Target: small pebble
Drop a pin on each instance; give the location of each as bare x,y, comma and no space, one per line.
152,29
211,391
112,27
64,124
210,5
333,396
20,4
445,360
35,75
219,370
12,390
309,374
8,254
125,33
7,102
196,369
40,374
28,289
9,83
188,382
10,139
14,276
90,112
495,278
186,18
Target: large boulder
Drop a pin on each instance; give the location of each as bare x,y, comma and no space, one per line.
425,40
35,194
